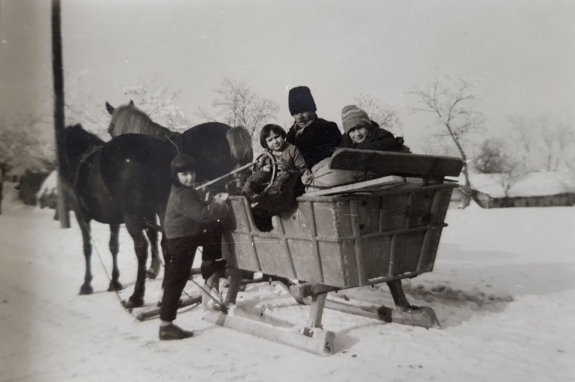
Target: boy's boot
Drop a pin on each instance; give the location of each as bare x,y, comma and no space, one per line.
173,332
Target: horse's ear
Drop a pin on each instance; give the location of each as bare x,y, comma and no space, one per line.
131,102
110,108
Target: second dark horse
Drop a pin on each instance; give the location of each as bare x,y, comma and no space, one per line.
126,180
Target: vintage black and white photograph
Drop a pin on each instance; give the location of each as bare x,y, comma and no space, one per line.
302,190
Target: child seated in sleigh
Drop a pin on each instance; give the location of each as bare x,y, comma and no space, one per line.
361,133
281,159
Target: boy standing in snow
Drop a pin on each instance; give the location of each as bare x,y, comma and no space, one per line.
188,224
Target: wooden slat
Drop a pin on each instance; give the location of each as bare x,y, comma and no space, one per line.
314,239
316,310
358,245
248,213
392,255
280,227
425,244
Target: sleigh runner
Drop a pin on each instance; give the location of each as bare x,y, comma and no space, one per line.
387,231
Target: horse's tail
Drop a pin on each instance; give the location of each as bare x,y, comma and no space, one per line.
240,141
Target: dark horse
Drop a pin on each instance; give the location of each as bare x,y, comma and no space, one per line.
126,180
217,148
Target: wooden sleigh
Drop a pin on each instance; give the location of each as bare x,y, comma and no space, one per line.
355,237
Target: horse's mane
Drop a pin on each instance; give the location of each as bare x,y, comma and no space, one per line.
240,142
128,119
78,140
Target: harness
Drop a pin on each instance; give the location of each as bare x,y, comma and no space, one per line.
83,160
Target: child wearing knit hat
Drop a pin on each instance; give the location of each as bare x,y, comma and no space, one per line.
364,134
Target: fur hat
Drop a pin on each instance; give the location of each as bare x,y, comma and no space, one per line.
352,116
181,163
300,100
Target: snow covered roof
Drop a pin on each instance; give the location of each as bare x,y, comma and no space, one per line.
531,184
51,183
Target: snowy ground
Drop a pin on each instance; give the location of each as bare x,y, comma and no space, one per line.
503,289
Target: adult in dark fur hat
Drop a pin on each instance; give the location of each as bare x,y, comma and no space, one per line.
189,223
314,137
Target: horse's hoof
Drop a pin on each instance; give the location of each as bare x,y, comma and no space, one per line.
115,286
86,289
133,303
151,274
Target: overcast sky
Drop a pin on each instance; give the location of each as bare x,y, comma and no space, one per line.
521,52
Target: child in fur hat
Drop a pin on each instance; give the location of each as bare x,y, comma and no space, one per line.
364,134
189,223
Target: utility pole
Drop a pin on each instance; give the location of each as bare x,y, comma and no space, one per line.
58,73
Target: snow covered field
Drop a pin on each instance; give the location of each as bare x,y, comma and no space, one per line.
503,289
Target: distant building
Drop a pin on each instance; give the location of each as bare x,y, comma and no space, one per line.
536,189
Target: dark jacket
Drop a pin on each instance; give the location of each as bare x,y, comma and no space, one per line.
377,139
317,141
188,215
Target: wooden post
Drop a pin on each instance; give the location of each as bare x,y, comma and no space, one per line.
59,121
316,310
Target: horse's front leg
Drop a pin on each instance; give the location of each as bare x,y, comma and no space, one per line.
154,268
86,288
136,229
114,246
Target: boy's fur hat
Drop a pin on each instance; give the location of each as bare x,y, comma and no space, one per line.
300,100
352,116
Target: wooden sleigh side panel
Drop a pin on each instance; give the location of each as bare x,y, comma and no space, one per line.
344,241
332,241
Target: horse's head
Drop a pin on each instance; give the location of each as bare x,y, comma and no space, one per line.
111,108
128,119
77,142
119,114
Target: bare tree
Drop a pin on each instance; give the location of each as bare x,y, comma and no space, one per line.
511,172
24,145
382,113
81,107
158,102
238,104
498,157
545,145
437,145
491,156
449,99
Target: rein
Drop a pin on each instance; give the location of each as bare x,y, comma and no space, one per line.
88,153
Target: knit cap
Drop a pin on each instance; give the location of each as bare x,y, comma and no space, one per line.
300,100
181,163
352,116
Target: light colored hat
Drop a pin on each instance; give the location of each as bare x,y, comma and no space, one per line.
352,116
